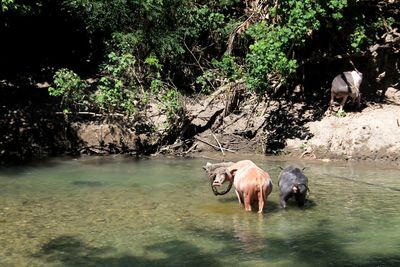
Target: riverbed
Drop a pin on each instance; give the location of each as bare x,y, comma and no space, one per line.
122,211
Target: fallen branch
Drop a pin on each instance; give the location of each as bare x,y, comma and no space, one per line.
82,113
214,146
210,158
219,144
191,148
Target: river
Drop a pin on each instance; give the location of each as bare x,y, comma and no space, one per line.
121,211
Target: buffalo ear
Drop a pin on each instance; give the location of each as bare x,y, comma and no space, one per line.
230,174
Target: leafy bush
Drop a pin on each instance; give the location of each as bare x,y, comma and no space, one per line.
228,67
268,57
71,88
271,59
6,5
358,38
173,104
112,96
205,81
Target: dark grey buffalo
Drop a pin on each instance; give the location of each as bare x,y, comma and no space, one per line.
344,85
292,183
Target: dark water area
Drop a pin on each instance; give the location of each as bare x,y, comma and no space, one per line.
117,211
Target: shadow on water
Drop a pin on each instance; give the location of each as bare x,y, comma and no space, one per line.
13,169
228,199
70,251
87,183
109,160
292,204
316,247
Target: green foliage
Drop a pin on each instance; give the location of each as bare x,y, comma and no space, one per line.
268,56
112,96
205,80
169,98
6,4
271,56
71,88
21,7
303,147
225,70
366,30
341,114
228,3
117,90
358,38
228,67
336,6
163,28
173,104
126,42
145,37
151,46
154,63
119,65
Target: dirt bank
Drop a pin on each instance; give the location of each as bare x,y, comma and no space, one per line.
231,121
373,134
299,130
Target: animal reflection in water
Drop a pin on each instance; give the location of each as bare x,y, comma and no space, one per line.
252,184
250,232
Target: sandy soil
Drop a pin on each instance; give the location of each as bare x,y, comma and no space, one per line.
373,134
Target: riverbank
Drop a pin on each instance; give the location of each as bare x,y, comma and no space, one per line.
301,131
373,134
231,121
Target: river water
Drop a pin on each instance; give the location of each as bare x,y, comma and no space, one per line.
118,211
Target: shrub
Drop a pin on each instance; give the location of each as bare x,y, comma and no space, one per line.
71,88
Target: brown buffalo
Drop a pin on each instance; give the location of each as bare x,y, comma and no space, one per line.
252,184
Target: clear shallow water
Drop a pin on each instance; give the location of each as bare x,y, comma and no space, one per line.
161,212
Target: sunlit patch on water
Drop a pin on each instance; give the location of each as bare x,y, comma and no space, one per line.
116,211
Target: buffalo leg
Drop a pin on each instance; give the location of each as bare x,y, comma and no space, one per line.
247,202
284,197
282,200
331,102
343,102
239,196
260,201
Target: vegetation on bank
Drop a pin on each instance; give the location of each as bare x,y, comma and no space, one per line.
115,56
